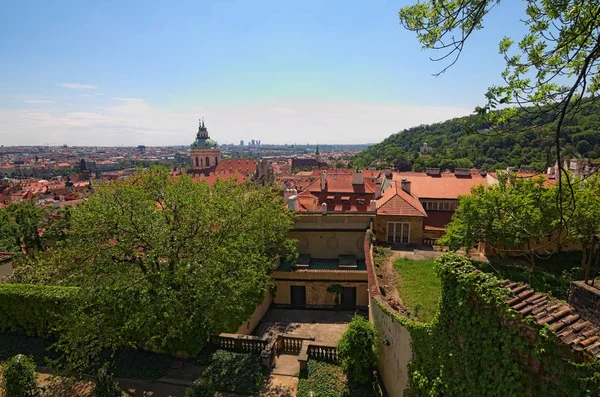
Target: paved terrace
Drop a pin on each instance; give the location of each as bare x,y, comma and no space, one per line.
326,326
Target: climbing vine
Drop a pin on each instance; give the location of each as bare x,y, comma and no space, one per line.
478,346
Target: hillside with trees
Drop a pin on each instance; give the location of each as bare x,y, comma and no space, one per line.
465,142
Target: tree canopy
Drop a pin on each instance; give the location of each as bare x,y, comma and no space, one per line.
163,263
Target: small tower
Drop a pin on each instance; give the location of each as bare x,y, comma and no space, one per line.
204,152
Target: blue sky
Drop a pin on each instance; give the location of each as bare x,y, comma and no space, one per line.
143,72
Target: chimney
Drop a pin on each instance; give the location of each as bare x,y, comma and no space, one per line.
289,193
373,206
377,189
405,185
323,180
358,178
550,173
293,202
324,208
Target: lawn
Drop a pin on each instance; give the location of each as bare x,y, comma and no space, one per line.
419,287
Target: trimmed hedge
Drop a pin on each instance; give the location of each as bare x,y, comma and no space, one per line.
235,372
33,310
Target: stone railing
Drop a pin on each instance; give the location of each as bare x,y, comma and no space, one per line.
240,343
317,351
291,344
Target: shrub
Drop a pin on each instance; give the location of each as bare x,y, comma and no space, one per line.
235,372
329,380
357,348
200,388
106,385
34,310
19,377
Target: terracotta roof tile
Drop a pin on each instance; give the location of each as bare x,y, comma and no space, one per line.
558,315
396,201
445,186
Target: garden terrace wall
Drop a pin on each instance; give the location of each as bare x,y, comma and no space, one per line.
394,338
248,327
586,299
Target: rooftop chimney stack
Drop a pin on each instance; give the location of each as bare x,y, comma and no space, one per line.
373,206
358,178
405,185
378,188
324,208
293,204
289,193
323,180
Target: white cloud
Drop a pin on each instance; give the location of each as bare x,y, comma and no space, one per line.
77,86
132,121
37,101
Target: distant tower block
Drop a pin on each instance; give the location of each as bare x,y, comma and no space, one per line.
204,152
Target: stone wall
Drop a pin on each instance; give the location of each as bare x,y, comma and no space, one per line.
6,269
259,312
416,227
394,350
586,299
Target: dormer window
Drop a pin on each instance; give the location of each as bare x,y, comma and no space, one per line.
360,201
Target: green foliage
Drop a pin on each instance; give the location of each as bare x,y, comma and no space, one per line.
419,287
200,388
34,310
235,372
163,263
552,66
358,350
380,255
337,290
513,216
105,384
328,380
473,346
19,377
454,141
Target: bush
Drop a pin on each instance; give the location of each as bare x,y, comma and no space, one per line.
200,388
235,372
106,385
328,380
19,377
357,348
34,310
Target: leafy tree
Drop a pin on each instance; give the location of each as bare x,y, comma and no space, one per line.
10,238
518,215
21,225
358,350
105,385
555,65
402,164
165,262
585,220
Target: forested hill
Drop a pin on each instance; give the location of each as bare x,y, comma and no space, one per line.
454,144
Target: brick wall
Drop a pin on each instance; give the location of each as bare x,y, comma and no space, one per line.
586,299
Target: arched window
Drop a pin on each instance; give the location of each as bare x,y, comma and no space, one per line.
197,164
216,161
207,162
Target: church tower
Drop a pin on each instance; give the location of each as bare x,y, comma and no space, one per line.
204,152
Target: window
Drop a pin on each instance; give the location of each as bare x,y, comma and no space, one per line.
207,162
446,206
398,232
197,164
360,201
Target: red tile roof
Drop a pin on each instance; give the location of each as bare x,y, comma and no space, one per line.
445,186
396,201
6,255
574,331
347,197
245,167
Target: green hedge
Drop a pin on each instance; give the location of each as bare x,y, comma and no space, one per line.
235,372
33,310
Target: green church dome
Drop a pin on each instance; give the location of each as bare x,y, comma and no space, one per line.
203,141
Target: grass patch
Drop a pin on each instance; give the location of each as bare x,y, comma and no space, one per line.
329,380
419,287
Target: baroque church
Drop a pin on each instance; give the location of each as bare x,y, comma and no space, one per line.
205,156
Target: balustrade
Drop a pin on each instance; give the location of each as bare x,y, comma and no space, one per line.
323,352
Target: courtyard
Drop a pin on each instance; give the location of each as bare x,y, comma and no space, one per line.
326,326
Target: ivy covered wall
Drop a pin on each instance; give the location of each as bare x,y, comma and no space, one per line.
478,346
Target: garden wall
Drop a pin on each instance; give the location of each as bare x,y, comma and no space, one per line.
394,339
586,299
259,312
